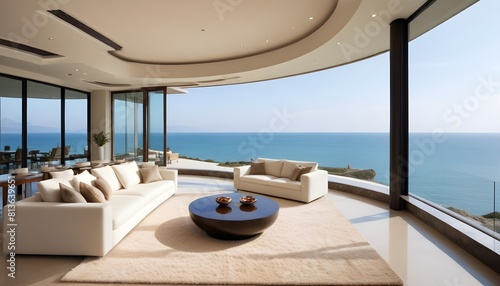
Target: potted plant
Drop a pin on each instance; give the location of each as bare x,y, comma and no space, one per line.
100,139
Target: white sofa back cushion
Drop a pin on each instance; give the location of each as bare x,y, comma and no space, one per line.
273,167
65,175
109,176
127,174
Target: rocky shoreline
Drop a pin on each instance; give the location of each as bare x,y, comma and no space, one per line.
490,221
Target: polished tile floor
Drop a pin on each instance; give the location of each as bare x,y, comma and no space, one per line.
419,255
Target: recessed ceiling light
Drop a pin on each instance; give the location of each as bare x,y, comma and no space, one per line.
267,41
242,46
374,15
85,73
339,43
76,69
310,18
50,39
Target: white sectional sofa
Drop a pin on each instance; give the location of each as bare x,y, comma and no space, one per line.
45,224
295,180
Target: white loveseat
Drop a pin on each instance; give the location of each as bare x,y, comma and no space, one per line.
53,227
283,178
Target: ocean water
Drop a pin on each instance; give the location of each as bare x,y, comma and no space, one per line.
458,170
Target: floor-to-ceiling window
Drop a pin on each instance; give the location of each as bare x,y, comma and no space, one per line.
10,121
156,126
128,125
76,116
454,116
52,119
139,125
44,122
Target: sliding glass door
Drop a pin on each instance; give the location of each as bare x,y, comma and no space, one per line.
139,125
128,125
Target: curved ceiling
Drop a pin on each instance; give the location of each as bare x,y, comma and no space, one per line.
114,44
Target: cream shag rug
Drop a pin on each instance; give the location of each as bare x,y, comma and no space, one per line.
310,244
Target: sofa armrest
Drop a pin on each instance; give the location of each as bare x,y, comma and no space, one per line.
238,172
241,171
60,228
169,174
314,184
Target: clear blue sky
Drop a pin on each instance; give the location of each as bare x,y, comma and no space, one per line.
448,70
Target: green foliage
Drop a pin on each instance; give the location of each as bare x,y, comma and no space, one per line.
100,138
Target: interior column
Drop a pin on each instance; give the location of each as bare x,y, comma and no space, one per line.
399,129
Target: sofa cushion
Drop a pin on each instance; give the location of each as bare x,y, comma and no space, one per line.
146,165
109,175
127,174
304,170
104,187
124,207
257,179
85,177
289,166
50,190
147,191
296,172
257,168
285,183
273,167
70,195
65,175
150,174
91,193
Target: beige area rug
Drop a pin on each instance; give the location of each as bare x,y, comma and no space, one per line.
310,244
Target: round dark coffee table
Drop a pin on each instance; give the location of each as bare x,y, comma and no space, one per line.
234,221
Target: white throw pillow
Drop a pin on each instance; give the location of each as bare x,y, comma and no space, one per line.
109,175
84,177
50,190
127,174
65,175
134,166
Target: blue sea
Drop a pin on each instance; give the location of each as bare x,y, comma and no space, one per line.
454,169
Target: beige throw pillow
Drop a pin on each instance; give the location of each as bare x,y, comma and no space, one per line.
257,168
151,174
104,187
70,195
84,177
91,193
298,171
